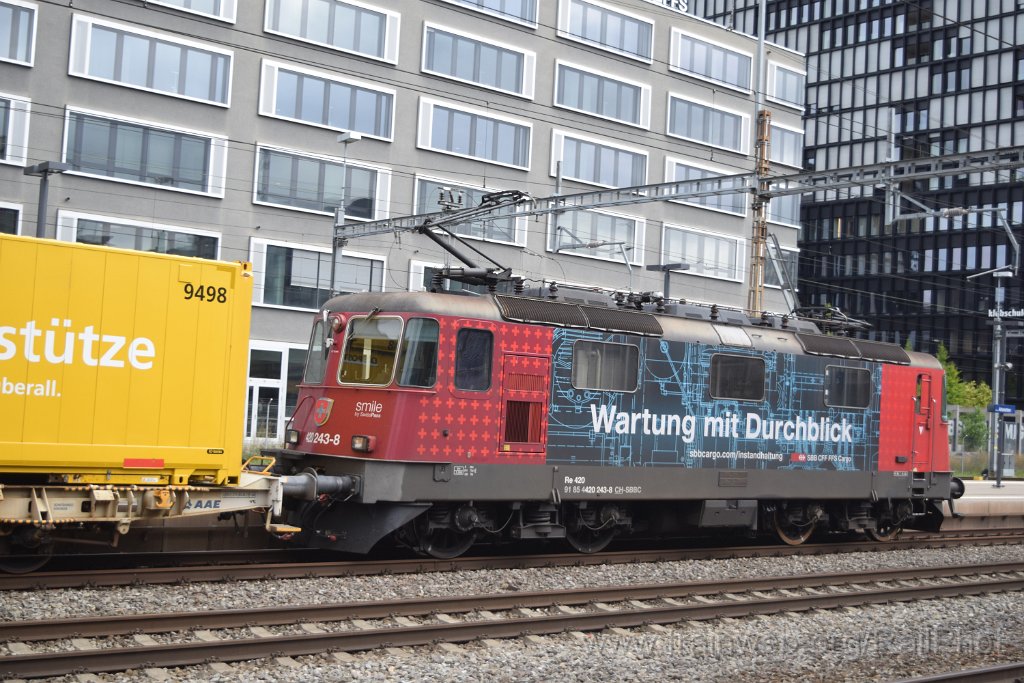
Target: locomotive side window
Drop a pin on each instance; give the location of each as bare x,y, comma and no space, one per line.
370,351
417,363
316,359
473,351
605,367
736,377
847,387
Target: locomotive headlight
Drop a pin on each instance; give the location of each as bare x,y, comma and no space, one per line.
363,444
291,437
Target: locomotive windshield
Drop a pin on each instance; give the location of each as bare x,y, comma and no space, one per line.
370,351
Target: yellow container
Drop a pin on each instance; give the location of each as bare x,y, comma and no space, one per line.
121,366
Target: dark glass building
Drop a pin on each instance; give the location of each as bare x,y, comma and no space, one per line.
908,80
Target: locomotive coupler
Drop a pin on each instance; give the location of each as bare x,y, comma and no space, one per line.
309,485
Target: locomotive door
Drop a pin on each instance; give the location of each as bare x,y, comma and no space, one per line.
924,432
524,397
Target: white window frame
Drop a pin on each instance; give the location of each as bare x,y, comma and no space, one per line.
17,130
81,44
773,219
773,69
258,258
33,34
391,33
563,29
670,168
645,94
789,129
268,95
529,61
675,65
738,241
382,191
558,154
20,208
520,222
228,10
505,17
744,133
426,119
67,227
217,171
281,384
635,255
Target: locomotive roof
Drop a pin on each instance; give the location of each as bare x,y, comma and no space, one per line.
677,323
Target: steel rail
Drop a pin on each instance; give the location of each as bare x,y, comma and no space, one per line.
53,629
306,570
997,673
185,654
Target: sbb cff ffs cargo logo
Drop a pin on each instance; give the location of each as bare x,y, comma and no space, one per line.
322,411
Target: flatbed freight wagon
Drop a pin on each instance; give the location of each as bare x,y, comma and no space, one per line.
121,367
122,396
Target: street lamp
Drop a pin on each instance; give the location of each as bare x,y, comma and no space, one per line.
667,268
43,171
346,139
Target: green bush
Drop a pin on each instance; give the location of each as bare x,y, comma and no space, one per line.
974,430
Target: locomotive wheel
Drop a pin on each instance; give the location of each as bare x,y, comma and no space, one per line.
589,541
885,532
434,534
586,533
788,532
445,544
17,559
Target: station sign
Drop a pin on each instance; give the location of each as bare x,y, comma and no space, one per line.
1002,409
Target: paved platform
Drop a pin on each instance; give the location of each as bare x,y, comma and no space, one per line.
985,506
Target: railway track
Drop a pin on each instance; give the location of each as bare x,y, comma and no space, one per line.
235,635
998,673
107,577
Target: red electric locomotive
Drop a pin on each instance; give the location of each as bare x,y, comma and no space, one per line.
443,420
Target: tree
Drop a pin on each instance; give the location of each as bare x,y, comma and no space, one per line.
974,430
977,395
958,392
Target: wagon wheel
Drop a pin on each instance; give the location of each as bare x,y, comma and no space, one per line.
885,532
788,532
17,559
585,532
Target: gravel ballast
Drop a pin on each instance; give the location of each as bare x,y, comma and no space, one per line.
883,642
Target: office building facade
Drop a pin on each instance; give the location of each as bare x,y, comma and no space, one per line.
909,80
210,128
